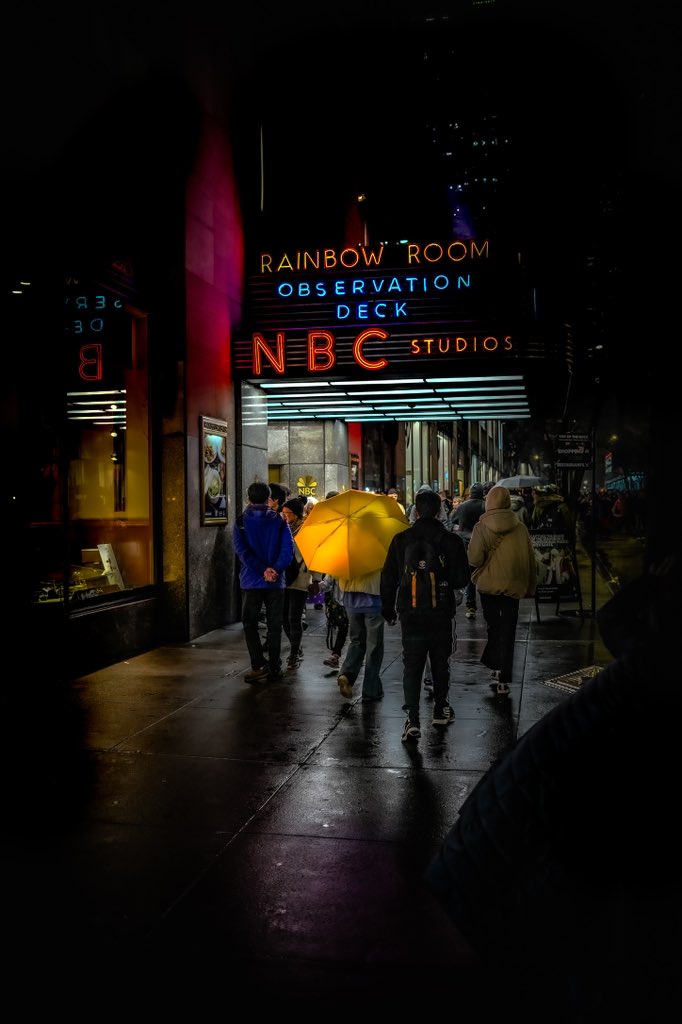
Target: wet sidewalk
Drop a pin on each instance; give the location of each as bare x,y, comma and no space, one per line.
279,827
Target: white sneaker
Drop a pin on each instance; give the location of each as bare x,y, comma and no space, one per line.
470,613
332,660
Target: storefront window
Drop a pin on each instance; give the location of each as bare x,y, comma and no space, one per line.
93,533
109,507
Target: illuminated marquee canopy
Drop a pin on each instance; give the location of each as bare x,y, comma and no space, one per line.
409,320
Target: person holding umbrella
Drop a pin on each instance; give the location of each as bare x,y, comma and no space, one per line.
347,536
361,599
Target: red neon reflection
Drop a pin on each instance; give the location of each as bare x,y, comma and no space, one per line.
90,360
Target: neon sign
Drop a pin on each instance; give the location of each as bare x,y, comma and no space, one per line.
370,307
352,257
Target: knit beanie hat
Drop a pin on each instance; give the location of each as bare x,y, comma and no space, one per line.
476,491
296,505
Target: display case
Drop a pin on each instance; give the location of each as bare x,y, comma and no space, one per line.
97,574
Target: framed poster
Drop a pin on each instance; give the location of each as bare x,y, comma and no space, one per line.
213,436
556,566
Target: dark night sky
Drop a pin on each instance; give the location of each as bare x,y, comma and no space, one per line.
591,90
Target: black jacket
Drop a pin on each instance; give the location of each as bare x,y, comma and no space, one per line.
467,515
456,564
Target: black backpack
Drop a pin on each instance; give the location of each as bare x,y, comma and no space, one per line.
423,584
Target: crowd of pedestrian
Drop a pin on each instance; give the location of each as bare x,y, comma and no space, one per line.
479,551
484,550
612,512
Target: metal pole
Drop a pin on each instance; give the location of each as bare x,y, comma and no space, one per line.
593,517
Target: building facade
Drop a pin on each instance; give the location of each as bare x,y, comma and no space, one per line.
132,429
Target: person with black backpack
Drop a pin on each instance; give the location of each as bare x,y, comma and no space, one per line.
425,570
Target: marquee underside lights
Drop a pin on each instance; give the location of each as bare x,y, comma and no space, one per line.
97,407
351,400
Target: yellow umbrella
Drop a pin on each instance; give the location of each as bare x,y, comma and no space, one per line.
348,535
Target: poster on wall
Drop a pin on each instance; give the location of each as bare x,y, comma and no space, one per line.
213,436
556,565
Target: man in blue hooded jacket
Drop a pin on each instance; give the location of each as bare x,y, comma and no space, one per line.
265,546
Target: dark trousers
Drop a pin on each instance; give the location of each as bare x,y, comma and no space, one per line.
294,603
252,602
429,633
470,589
501,614
340,639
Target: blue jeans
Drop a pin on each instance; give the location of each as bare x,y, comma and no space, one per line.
366,632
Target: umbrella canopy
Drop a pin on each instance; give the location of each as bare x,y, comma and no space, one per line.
348,535
519,482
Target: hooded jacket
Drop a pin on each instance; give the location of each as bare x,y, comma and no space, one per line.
262,540
456,565
500,550
442,515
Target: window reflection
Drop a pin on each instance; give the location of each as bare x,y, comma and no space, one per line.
105,550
